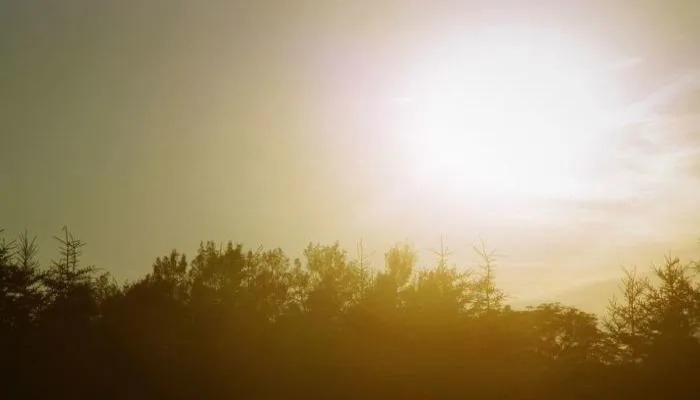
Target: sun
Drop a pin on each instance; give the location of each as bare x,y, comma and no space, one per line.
506,113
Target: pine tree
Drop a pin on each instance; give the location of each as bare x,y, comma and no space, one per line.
66,274
487,297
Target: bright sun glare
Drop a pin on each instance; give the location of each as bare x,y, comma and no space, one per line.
507,113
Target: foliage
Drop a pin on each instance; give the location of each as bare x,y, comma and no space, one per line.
237,323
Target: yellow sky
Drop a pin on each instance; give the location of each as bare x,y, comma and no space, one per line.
151,125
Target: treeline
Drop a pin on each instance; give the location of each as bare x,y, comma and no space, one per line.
255,324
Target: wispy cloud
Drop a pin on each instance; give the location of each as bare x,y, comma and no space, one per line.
401,99
623,64
677,87
656,159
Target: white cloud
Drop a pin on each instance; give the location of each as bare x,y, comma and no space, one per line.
624,64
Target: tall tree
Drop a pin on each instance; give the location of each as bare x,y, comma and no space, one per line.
335,280
673,303
67,274
674,317
20,282
627,320
488,298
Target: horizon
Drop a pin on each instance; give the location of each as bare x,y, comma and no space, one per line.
145,128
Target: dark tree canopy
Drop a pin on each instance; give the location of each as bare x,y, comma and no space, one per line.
253,323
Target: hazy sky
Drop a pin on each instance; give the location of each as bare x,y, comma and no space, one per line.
151,125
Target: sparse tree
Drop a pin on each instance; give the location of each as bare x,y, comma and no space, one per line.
67,274
627,320
488,298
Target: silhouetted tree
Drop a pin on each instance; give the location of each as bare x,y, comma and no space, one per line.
20,280
19,301
627,322
238,323
441,293
66,276
487,298
385,295
673,304
565,333
334,280
674,354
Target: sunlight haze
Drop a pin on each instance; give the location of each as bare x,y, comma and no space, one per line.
563,134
